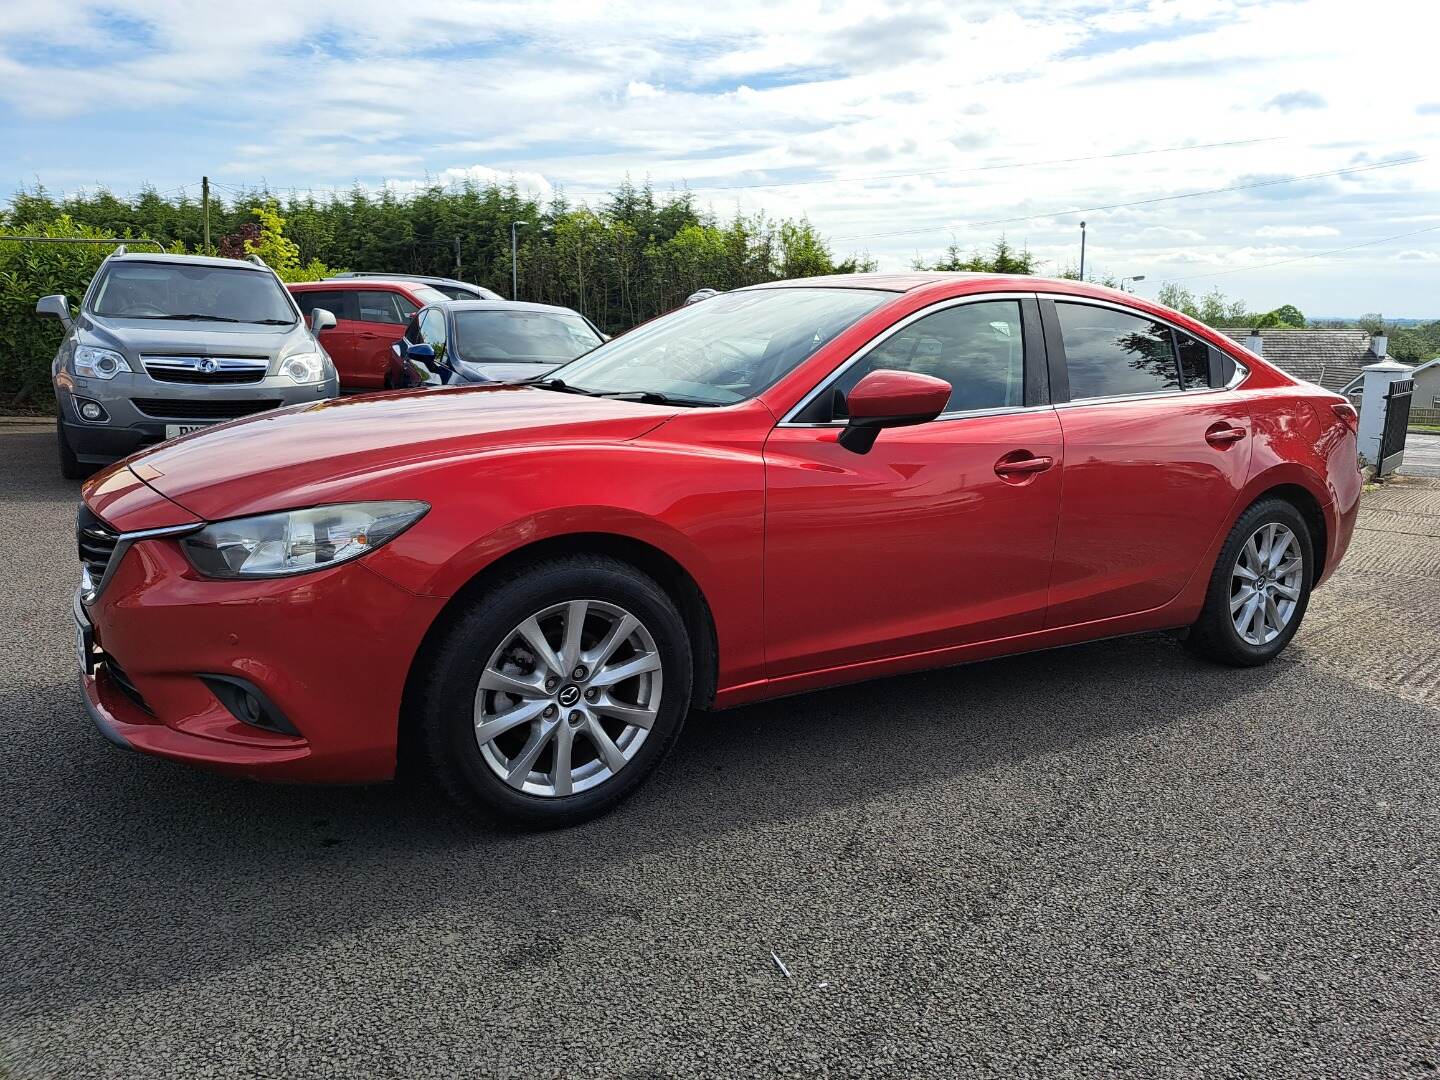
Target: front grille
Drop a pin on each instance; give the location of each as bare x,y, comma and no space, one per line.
97,542
206,371
201,409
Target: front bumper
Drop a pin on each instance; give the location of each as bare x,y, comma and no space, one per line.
331,650
128,428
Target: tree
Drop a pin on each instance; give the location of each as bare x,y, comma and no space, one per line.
280,253
1003,259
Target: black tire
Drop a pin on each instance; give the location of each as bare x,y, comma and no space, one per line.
71,467
1214,635
443,739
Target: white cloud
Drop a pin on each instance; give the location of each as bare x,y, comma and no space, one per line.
1295,232
559,93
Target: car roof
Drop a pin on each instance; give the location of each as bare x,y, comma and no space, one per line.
424,278
189,260
503,305
331,284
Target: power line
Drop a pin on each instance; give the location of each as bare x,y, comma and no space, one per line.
1138,202
962,169
1311,255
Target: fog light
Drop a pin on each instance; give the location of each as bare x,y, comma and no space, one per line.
91,410
248,704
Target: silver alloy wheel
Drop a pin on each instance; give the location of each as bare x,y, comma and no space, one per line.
1265,584
568,698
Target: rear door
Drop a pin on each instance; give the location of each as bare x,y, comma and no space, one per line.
1156,452
339,340
943,533
383,314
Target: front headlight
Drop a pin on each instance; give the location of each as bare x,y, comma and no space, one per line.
274,545
93,363
304,367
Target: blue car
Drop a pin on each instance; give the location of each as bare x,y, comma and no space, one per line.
492,341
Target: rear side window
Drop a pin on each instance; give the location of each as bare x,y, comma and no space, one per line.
1111,354
339,302
1194,361
377,306
979,349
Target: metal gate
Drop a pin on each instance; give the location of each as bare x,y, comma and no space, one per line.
1397,420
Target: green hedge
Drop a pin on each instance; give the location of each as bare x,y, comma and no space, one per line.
29,271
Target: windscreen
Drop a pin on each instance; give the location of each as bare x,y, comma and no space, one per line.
724,349
146,290
539,337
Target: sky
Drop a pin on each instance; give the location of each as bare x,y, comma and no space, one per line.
897,129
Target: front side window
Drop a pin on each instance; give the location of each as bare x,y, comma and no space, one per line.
731,347
377,306
486,335
979,349
1109,353
190,292
432,329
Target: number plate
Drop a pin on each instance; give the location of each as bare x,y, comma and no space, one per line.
174,431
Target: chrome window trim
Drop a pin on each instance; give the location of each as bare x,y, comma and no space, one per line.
1241,371
788,420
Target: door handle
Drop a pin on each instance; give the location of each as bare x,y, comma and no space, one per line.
1222,435
1023,465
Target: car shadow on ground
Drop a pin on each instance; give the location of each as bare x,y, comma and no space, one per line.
153,873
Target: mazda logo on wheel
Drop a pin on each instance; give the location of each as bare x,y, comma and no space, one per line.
569,695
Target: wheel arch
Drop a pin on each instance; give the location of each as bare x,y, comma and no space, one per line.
673,577
1310,508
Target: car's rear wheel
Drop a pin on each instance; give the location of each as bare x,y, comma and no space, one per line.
1259,589
556,693
71,467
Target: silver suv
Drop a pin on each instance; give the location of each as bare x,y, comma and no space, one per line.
168,344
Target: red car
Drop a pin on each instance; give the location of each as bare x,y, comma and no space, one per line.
370,317
523,590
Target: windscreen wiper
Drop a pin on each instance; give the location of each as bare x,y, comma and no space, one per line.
655,397
192,317
557,384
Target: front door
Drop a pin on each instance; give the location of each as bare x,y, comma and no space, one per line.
942,534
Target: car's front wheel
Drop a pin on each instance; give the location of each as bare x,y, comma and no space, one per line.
556,693
1259,589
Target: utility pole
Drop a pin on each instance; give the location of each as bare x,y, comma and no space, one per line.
205,208
1082,251
514,271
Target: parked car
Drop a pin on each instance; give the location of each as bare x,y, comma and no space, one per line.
370,316
486,341
523,590
455,290
164,345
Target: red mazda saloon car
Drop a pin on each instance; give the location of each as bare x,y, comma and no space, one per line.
522,590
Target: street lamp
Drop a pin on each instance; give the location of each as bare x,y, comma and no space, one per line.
514,266
1136,277
1082,251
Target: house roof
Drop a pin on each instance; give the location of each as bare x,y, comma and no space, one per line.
1331,358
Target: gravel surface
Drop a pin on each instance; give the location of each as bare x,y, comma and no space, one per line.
1112,859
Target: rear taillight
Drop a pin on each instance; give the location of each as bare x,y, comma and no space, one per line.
1348,416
